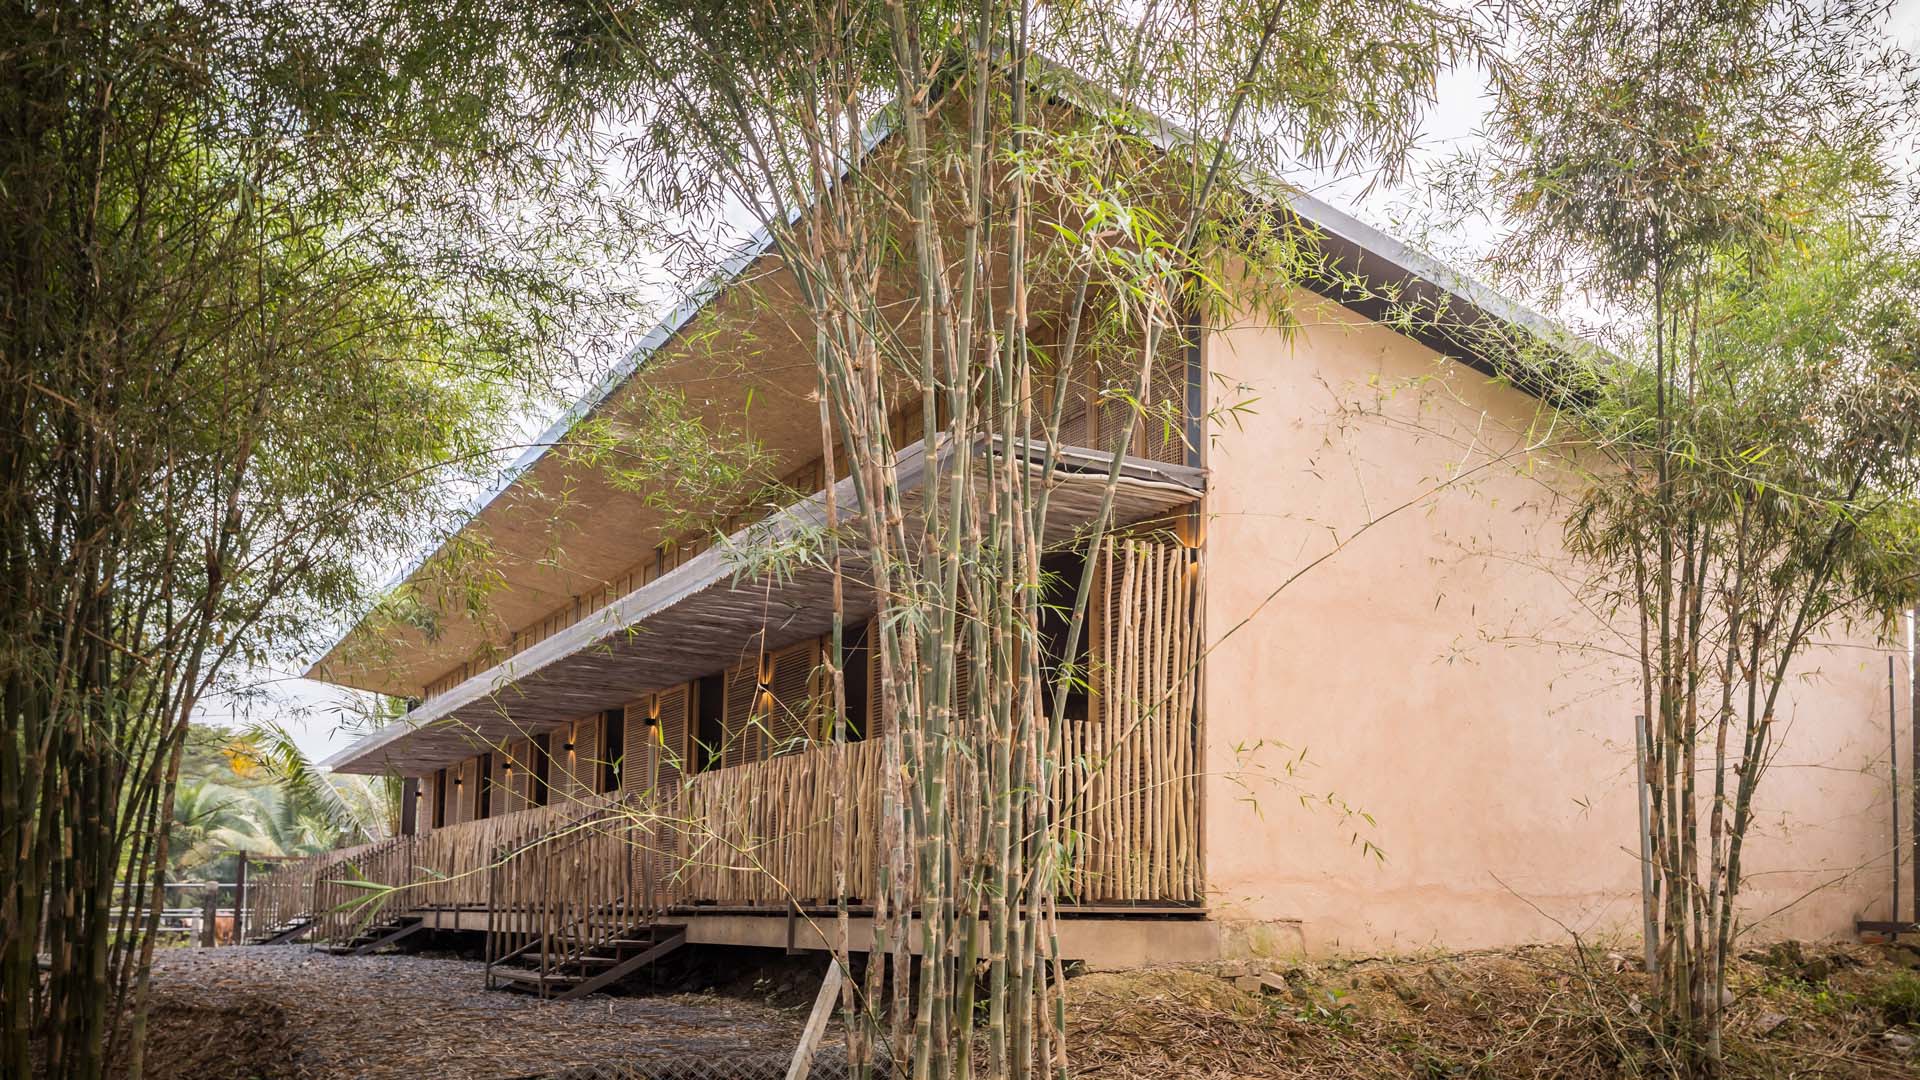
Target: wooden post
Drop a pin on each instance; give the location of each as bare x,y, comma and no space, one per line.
208,909
240,899
823,1005
409,805
1893,779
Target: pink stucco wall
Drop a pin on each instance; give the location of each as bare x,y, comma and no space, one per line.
1439,676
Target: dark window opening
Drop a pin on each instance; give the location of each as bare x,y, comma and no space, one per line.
710,702
612,748
440,799
1060,580
855,665
542,762
483,805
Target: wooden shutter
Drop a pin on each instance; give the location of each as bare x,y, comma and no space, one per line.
506,773
674,749
790,714
457,793
876,712
636,772
1164,437
519,783
608,775
875,720
484,775
962,680
579,767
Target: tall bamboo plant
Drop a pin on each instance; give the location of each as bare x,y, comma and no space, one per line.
267,305
975,212
1714,177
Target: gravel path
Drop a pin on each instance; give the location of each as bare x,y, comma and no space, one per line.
287,1011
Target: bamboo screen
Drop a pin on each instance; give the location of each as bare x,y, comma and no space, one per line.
763,833
791,705
876,701
1100,395
740,735
575,771
1132,786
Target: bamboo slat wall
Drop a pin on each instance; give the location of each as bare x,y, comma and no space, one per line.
762,833
759,832
285,893
1132,784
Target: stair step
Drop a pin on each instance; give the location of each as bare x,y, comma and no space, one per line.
533,979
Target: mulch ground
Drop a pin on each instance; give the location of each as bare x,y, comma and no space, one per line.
290,1012
1829,1012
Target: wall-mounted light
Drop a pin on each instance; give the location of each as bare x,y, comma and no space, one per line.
457,782
568,748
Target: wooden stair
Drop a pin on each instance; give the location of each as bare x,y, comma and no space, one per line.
283,935
596,969
377,936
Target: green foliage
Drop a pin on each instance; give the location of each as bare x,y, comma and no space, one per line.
275,298
1719,177
1793,429
254,792
1632,140
1898,999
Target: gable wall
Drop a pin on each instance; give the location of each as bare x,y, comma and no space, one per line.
1439,676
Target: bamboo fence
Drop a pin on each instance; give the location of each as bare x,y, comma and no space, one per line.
761,833
1131,797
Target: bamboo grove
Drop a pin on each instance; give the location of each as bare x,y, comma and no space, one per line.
1724,180
972,230
212,319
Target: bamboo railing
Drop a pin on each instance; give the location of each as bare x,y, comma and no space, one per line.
762,833
354,892
562,878
454,861
565,892
280,896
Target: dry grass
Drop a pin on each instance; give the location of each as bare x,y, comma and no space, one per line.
1540,1012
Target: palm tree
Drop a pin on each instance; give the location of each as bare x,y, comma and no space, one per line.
354,809
210,820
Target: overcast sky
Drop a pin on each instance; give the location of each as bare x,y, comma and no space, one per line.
319,716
